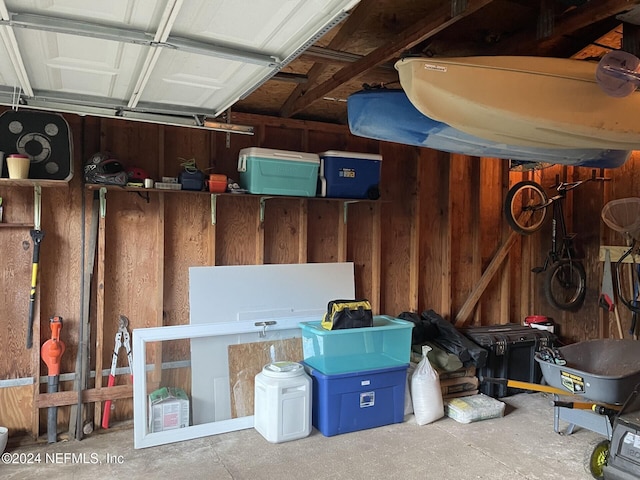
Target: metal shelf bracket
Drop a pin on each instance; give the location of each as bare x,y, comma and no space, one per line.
103,202
214,201
37,206
263,201
346,209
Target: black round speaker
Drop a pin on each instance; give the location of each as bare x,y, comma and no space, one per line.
44,137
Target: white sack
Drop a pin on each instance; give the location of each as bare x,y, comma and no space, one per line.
426,394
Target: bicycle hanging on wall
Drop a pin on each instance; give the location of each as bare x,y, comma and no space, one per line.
526,208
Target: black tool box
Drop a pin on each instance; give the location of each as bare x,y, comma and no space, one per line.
511,349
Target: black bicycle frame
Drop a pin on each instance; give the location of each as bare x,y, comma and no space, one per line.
558,221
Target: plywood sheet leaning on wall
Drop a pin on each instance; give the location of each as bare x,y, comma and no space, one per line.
247,360
16,410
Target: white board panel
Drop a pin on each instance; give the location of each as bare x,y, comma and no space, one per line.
249,294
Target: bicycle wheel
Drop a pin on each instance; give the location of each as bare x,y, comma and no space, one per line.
523,207
565,284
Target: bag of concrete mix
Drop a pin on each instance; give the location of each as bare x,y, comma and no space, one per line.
426,394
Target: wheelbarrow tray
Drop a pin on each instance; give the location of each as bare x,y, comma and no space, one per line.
604,370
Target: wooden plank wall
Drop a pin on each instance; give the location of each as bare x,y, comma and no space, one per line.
424,245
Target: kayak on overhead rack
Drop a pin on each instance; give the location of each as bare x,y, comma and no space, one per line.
530,101
388,115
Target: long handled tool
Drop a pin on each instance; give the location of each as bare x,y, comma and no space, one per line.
36,235
122,340
607,299
51,353
635,302
597,407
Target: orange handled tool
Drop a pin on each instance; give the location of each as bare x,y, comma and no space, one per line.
122,339
51,353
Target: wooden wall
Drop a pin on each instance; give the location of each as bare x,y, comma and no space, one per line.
424,245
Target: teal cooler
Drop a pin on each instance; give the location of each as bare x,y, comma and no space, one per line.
278,172
349,175
349,402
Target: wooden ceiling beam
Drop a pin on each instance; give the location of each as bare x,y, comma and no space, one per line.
526,43
423,29
346,32
336,57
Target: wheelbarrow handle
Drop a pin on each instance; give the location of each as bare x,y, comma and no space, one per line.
599,409
549,389
524,385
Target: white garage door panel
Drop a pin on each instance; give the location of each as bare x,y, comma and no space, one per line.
196,81
149,56
141,14
100,68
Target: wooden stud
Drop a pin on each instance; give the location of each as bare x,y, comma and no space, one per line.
505,279
476,247
303,218
156,376
259,241
341,226
414,253
445,239
376,255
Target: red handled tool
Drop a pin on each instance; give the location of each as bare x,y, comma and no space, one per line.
51,353
122,339
607,299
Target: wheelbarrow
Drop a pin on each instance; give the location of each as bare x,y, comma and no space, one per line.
606,371
602,376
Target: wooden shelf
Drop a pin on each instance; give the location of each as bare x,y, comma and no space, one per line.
32,182
118,188
93,186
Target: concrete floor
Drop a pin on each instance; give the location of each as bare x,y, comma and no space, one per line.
520,445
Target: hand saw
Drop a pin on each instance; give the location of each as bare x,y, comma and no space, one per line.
606,299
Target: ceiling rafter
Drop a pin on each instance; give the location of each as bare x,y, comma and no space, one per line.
346,32
526,42
418,32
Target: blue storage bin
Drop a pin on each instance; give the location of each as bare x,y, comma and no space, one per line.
278,172
355,401
349,175
386,344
